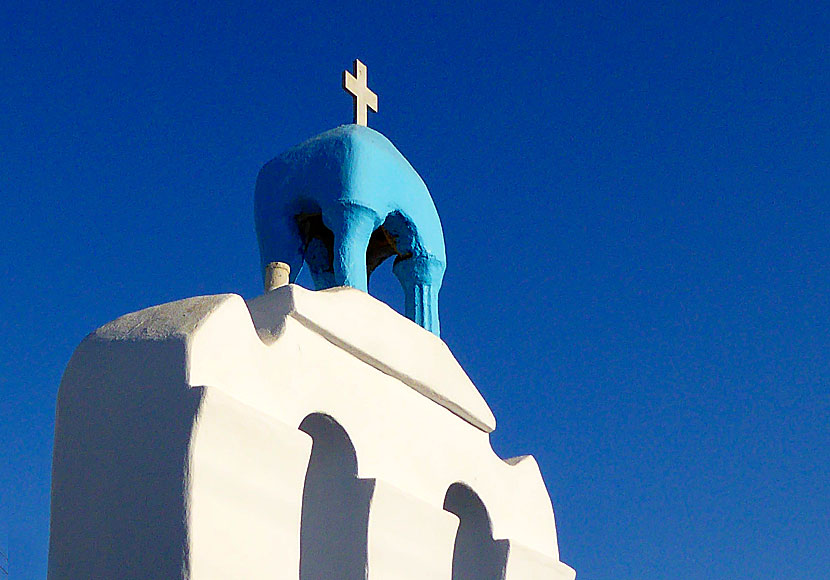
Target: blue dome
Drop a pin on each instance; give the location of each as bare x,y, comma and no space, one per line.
344,201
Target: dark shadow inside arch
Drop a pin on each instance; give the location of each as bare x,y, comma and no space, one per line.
476,556
395,237
335,516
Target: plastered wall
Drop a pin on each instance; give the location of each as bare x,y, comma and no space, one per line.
210,438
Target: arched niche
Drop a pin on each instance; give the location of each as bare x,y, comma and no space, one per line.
335,512
476,555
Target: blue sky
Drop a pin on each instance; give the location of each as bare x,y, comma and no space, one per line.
635,199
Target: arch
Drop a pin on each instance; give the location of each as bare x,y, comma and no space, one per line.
335,511
395,237
345,201
476,555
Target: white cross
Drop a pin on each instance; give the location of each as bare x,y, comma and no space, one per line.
357,85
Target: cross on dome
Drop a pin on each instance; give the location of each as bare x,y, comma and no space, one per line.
364,98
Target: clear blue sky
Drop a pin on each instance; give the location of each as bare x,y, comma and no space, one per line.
636,204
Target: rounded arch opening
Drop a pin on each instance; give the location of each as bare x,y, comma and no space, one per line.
476,555
396,237
335,510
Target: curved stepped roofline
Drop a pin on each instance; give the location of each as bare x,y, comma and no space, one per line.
193,437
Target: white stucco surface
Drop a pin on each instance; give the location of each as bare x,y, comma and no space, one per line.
179,454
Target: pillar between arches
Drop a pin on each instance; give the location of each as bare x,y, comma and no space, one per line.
408,538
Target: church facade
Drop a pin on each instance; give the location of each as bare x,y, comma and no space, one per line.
301,434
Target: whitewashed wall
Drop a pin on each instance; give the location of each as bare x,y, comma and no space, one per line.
305,435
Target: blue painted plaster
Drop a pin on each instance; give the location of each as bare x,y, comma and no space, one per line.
355,181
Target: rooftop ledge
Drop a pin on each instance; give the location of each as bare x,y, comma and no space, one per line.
379,336
348,318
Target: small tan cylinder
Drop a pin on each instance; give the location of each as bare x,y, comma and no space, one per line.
276,275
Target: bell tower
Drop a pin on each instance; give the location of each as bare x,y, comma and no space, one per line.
300,434
343,202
